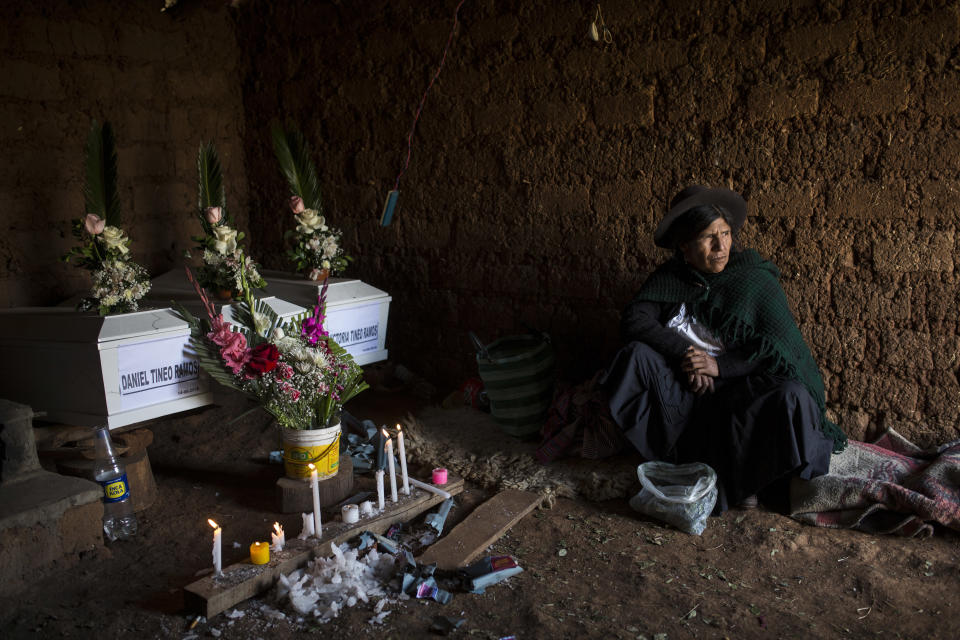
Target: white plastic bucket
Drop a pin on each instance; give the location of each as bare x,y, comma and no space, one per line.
321,447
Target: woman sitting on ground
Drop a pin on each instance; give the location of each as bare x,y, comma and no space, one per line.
715,369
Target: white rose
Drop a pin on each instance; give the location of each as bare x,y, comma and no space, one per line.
310,220
276,335
114,239
224,239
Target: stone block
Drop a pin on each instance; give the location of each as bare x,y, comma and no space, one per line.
866,302
776,103
876,391
871,97
823,41
658,56
784,200
907,251
625,110
905,349
45,518
866,201
209,89
29,34
942,98
835,348
709,101
940,199
558,114
916,36
30,81
143,43
504,116
144,160
495,31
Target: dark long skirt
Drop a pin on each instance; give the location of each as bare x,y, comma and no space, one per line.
756,431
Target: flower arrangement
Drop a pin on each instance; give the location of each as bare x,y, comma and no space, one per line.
317,247
226,267
292,368
118,282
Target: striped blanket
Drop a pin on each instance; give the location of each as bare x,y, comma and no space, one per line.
889,486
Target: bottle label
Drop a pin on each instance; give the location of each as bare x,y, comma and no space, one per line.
116,489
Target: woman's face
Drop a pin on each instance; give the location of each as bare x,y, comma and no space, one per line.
710,250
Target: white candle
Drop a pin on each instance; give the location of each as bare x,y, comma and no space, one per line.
393,470
366,508
306,529
403,461
217,555
429,487
350,513
277,539
380,489
315,486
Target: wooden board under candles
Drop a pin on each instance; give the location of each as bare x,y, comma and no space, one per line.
210,596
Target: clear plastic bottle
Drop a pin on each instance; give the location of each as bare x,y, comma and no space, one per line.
119,521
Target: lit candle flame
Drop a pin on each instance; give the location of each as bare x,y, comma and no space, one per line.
276,527
385,434
213,524
398,428
312,467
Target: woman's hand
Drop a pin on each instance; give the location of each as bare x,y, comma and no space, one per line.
700,384
697,362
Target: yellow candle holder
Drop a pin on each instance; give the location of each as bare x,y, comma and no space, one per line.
259,553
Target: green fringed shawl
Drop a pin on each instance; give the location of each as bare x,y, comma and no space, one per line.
745,304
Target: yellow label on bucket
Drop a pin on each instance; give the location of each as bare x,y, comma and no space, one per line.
325,457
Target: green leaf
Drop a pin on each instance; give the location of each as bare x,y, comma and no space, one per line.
211,189
293,153
100,189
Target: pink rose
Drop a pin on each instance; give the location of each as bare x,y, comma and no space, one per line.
213,214
296,204
94,224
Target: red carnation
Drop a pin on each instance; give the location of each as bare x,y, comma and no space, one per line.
263,358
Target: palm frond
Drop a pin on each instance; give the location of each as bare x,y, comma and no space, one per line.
244,319
100,189
211,191
296,165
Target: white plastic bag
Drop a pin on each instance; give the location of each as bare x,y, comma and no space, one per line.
682,495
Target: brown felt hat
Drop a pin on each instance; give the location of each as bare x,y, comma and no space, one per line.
694,196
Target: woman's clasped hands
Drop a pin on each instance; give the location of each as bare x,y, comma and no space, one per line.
701,369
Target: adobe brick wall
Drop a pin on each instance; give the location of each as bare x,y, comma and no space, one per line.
540,166
543,161
166,82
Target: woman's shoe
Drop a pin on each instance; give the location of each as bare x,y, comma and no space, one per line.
750,502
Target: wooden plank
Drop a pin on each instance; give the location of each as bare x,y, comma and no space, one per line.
480,529
210,596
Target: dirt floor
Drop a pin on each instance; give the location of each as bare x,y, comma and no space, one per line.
590,570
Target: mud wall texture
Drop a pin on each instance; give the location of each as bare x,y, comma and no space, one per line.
166,82
543,161
540,166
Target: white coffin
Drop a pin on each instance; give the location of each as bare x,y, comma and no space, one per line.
357,312
83,369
